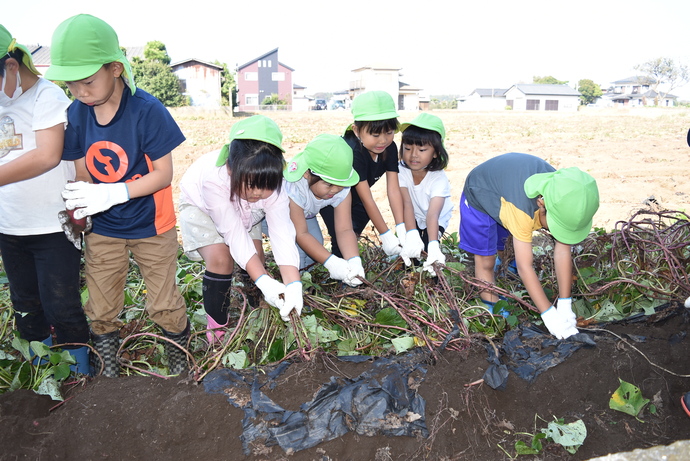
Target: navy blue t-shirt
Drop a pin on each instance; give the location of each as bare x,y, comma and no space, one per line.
123,150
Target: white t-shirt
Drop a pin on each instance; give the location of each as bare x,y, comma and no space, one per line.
434,184
207,187
30,207
300,193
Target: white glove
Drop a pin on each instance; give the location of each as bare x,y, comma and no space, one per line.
356,270
401,232
434,255
293,300
87,199
565,308
391,244
557,324
412,246
337,267
271,289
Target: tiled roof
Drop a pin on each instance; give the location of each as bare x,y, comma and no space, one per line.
546,89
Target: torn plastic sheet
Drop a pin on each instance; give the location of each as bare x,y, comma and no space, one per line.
529,352
380,401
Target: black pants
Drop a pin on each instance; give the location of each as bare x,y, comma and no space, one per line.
43,271
360,219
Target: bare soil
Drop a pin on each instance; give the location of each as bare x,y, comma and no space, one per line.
632,155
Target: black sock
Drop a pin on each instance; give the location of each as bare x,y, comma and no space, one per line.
216,289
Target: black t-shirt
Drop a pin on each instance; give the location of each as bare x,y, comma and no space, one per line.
369,170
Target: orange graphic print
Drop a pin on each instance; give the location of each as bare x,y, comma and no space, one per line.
101,159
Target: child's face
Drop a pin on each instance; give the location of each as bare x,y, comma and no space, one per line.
418,157
375,143
324,190
97,89
254,194
542,213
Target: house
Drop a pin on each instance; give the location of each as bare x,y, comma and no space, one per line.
199,81
542,97
262,77
634,91
384,78
300,101
484,99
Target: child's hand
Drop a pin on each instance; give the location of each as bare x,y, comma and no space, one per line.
401,232
390,243
356,270
565,308
293,300
434,255
337,267
74,228
557,324
412,246
89,199
271,289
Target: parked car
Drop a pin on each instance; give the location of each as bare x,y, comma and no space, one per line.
335,105
320,104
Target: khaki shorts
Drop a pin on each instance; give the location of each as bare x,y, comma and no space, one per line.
198,229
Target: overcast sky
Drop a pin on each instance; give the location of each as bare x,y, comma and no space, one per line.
442,46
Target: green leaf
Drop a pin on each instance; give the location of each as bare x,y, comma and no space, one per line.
61,371
236,360
608,312
22,346
276,351
348,347
389,316
571,436
50,386
403,343
628,399
40,349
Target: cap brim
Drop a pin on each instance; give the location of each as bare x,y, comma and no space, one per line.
71,73
564,235
295,168
375,117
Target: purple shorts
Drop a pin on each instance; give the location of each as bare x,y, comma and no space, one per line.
480,234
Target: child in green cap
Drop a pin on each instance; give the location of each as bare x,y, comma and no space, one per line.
374,155
41,264
321,175
516,194
224,197
425,188
121,139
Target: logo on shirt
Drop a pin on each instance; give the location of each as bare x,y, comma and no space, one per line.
107,161
9,140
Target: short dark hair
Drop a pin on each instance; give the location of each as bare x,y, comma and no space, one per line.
17,54
254,164
378,126
423,137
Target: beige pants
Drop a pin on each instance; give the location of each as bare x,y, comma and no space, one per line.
107,264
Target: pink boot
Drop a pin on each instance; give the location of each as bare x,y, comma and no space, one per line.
214,334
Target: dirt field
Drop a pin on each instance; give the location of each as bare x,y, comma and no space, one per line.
633,155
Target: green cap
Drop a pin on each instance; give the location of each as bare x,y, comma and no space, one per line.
372,106
571,198
8,44
81,45
256,127
327,156
428,122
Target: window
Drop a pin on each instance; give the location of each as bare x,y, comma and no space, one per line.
251,100
251,76
509,103
278,76
532,104
551,104
183,85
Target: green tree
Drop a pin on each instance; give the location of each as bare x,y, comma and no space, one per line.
157,79
153,75
664,75
228,88
589,91
273,100
156,51
549,80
